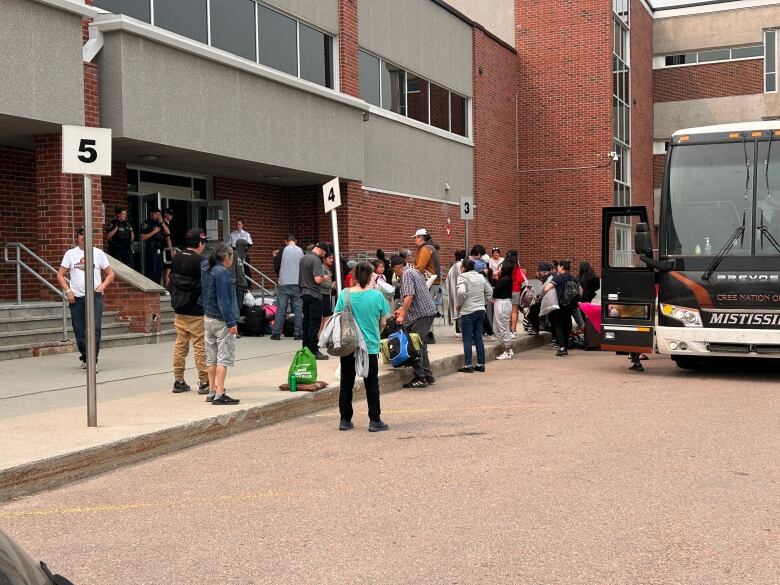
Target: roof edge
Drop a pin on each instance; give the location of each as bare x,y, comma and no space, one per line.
458,14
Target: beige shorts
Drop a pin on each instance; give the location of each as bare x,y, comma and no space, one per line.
220,343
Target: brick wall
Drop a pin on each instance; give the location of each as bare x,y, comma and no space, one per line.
641,107
659,163
349,50
709,80
565,109
18,213
140,309
495,147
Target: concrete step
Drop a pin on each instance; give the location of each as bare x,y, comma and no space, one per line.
42,322
52,334
31,309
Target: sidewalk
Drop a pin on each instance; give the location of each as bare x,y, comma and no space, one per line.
43,418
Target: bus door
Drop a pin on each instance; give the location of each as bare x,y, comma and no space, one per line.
628,296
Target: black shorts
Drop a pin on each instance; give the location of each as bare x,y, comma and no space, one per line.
327,306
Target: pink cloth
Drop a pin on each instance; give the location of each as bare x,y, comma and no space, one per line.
592,312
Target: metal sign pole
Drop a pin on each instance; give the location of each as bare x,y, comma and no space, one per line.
467,237
89,305
336,252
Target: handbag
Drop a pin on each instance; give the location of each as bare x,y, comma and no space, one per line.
249,299
347,325
303,367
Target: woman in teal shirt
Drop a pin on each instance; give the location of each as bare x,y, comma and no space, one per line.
369,309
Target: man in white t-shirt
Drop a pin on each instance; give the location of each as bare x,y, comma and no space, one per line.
240,234
72,267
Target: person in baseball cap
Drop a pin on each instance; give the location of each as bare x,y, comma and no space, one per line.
194,237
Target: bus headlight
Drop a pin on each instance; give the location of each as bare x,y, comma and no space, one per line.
686,316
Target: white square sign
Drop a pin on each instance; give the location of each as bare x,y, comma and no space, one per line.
331,195
467,208
86,151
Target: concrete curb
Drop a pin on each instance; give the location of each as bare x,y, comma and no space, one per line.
30,478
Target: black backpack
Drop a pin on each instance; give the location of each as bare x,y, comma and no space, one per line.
571,294
254,322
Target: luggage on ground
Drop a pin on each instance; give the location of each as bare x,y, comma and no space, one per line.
254,321
402,350
303,367
288,328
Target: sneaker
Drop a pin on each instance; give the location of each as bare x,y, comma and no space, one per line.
345,425
637,367
512,352
276,336
321,356
377,425
83,365
430,339
505,356
203,388
431,380
416,383
180,386
466,370
225,399
561,352
210,398
480,369
514,335
298,338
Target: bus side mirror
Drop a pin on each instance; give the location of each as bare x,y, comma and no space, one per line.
642,244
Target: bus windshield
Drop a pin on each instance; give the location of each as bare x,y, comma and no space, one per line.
710,194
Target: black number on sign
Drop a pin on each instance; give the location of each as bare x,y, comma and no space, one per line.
466,208
332,195
90,154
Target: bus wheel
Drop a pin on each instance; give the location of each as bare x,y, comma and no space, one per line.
687,362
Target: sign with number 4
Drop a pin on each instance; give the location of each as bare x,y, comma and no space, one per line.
331,195
86,151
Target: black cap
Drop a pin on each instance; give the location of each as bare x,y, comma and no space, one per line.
154,209
168,210
80,231
321,245
194,237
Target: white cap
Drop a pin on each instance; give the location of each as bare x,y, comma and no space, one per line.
421,232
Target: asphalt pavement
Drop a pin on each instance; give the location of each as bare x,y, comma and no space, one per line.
544,470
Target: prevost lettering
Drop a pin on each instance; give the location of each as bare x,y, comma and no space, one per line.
745,319
749,277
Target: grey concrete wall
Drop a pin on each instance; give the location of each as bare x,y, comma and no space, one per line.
407,160
322,13
420,36
497,16
727,28
673,116
158,94
41,70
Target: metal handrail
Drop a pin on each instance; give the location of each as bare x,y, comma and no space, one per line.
169,253
19,247
264,290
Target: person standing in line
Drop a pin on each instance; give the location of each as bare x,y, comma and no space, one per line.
589,281
220,322
511,266
349,277
428,263
72,267
495,260
561,318
416,314
370,311
287,290
185,287
120,237
452,291
311,275
473,293
154,234
502,314
327,289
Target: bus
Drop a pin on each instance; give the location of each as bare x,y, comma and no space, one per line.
711,286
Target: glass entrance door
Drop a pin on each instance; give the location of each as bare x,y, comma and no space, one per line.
138,210
214,218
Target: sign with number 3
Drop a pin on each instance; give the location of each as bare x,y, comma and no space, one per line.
86,151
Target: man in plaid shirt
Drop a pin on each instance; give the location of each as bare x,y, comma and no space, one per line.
416,314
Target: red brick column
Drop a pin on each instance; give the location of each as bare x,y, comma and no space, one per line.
140,309
349,50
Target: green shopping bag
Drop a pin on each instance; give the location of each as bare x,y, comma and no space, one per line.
303,367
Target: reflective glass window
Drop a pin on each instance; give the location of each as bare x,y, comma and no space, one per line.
440,107
393,88
745,52
770,61
459,114
278,40
191,21
139,9
417,98
316,60
720,55
369,78
233,27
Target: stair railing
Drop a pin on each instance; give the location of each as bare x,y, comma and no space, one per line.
264,279
21,264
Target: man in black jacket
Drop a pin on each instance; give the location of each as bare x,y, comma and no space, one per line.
184,286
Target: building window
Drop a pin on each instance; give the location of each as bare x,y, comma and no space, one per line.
246,28
621,100
191,23
233,27
770,61
397,90
746,52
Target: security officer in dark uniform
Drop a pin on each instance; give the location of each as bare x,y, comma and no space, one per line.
120,237
155,233
167,218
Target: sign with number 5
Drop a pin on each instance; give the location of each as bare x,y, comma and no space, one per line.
86,151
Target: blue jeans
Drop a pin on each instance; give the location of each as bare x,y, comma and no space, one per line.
471,328
288,293
78,320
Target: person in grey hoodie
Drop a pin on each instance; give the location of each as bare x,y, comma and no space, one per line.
473,294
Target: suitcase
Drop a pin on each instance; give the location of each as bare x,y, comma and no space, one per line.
288,328
592,337
254,322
